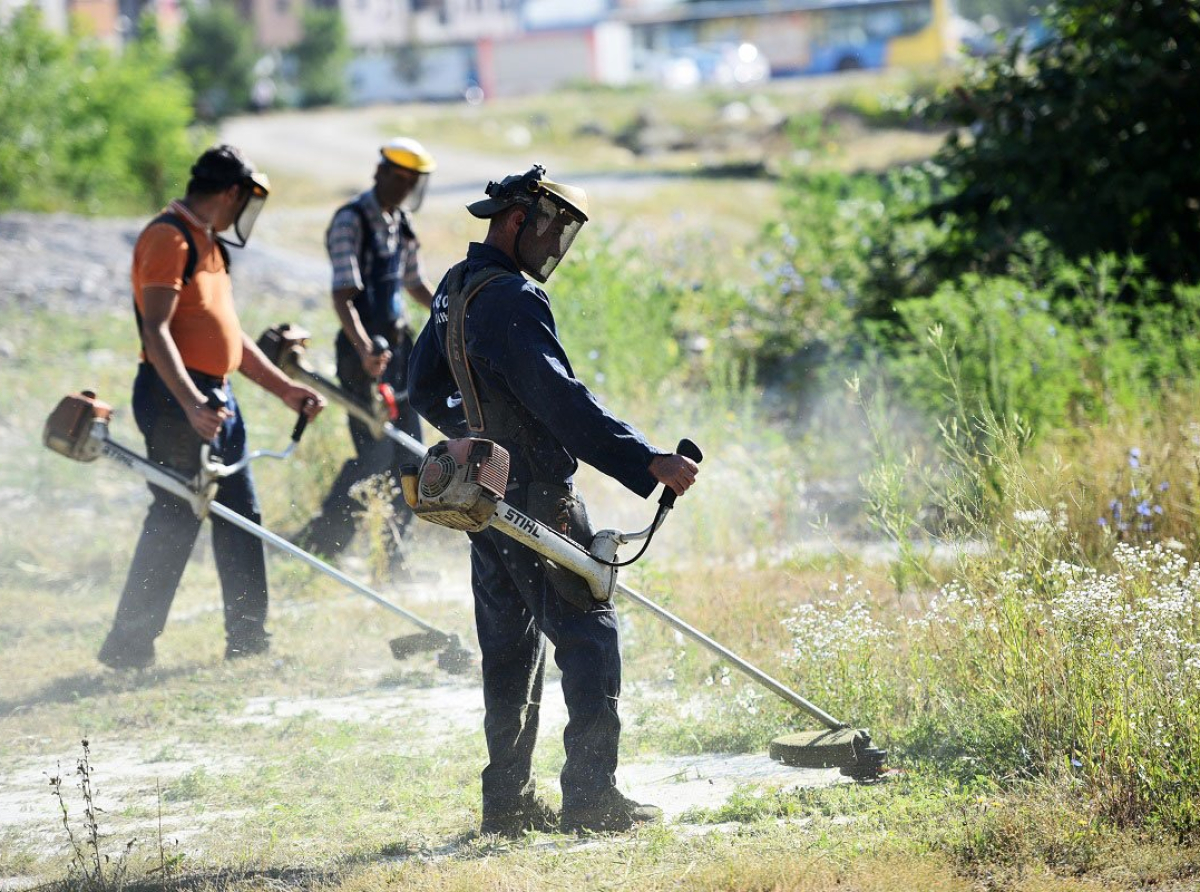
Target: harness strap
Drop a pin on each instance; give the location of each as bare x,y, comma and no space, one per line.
460,291
189,267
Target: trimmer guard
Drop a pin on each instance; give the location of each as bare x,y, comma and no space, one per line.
68,430
848,749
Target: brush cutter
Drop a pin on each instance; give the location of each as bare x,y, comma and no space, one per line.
285,345
460,484
78,428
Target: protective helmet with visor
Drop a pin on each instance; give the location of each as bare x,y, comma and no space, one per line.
555,212
410,155
225,166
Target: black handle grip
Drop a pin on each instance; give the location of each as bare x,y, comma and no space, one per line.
301,423
687,449
217,399
379,345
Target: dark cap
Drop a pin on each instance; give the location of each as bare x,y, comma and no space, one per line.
520,188
223,166
525,188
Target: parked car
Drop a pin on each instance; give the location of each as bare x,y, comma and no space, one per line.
715,64
729,64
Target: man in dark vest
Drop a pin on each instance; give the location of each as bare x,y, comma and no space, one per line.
375,256
490,363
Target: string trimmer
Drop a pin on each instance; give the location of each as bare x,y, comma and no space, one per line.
460,484
78,428
285,345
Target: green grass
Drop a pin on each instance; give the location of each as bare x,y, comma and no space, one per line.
269,773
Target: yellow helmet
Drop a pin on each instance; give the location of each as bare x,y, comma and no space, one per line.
408,153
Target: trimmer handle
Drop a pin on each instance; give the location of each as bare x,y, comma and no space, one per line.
301,422
217,399
687,449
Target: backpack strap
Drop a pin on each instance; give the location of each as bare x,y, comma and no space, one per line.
170,219
189,268
193,256
460,291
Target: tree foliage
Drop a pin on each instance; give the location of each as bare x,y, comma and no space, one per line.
321,57
1009,13
1089,140
83,128
217,55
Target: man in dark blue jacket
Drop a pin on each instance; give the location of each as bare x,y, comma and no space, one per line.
490,364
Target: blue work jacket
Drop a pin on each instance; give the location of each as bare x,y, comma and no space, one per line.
513,348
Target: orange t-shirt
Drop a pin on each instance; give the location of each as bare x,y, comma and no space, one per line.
205,325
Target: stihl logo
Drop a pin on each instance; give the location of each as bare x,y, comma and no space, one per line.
516,517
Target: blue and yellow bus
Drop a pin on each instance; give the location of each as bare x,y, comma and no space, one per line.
805,36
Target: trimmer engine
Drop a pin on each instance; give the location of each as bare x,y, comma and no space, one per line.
284,344
68,430
458,483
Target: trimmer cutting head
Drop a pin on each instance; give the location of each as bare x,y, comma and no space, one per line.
453,658
847,749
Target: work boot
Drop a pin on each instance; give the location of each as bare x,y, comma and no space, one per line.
610,812
247,645
119,652
531,813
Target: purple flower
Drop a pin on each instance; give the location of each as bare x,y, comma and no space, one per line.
1133,493
1145,527
1143,508
1134,452
1164,486
1158,509
1102,521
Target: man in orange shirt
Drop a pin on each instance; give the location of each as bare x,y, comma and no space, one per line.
191,343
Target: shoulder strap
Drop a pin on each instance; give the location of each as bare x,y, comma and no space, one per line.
406,229
224,249
189,268
460,291
170,219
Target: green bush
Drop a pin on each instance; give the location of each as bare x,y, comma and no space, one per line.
216,54
618,318
321,57
990,344
82,128
1083,141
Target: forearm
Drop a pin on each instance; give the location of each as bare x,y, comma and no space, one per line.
343,305
163,354
261,370
422,294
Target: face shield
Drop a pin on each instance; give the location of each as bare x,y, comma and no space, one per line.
550,226
412,158
257,187
412,201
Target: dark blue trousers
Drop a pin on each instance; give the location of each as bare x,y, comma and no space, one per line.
333,529
516,610
170,529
